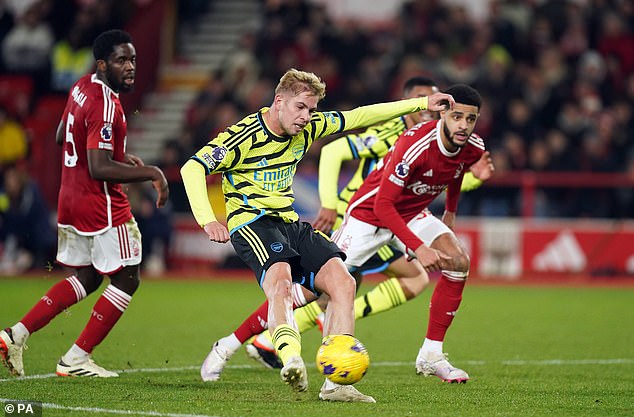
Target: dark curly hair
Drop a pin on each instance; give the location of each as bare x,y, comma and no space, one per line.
465,94
104,43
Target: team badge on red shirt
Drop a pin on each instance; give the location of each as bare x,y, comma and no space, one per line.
402,169
106,131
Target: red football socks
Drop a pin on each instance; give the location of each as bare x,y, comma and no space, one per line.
61,296
444,303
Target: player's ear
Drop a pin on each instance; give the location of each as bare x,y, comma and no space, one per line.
101,65
277,100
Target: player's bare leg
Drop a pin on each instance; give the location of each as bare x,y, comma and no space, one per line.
334,279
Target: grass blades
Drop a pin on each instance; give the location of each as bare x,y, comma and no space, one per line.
530,352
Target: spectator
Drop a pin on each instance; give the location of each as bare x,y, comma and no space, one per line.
27,46
25,227
71,58
13,142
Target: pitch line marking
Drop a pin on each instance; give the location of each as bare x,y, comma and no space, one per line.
109,411
617,361
187,368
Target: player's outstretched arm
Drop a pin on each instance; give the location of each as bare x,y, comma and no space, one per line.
369,115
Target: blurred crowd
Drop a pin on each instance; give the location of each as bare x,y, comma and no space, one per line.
557,78
51,40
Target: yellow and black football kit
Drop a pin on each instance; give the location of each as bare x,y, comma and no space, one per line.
257,169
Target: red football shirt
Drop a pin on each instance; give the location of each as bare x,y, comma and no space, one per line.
410,177
93,119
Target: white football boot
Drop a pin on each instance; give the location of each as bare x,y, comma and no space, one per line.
87,368
432,363
294,374
11,353
214,363
344,393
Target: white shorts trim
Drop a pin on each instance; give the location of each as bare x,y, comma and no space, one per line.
108,252
360,240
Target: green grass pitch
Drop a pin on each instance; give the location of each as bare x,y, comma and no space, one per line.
547,351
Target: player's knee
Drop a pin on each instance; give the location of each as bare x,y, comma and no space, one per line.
343,288
461,262
127,280
358,277
90,279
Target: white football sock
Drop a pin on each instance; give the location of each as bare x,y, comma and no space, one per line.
75,355
19,333
432,346
231,343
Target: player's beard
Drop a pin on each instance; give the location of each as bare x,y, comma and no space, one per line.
117,84
450,137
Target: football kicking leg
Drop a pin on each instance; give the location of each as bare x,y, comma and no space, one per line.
412,280
333,279
444,304
58,298
260,344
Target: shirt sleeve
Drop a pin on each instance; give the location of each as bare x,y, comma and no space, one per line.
332,156
453,195
193,174
220,154
375,113
99,131
395,177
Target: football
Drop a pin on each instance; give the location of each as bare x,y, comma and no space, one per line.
342,359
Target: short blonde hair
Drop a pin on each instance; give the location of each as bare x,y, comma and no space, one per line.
296,82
